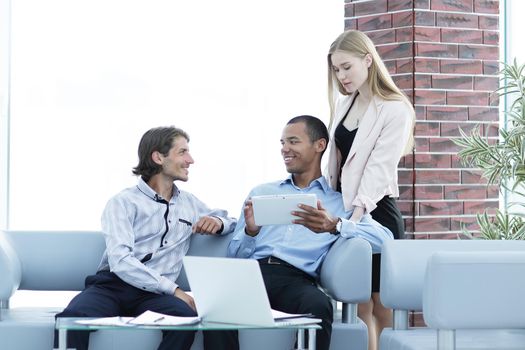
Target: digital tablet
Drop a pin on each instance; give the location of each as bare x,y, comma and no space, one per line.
276,209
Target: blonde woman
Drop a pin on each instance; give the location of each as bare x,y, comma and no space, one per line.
371,128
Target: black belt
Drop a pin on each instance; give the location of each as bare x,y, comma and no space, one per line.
272,260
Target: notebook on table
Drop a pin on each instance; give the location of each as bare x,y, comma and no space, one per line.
231,290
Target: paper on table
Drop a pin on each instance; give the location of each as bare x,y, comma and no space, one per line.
107,321
286,319
279,315
297,321
150,318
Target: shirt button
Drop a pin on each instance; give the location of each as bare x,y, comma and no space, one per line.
165,242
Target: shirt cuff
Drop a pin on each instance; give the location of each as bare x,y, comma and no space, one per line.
249,240
366,202
167,287
348,227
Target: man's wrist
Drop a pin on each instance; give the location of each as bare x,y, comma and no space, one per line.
219,231
338,227
250,232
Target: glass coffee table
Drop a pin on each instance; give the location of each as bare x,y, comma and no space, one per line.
65,324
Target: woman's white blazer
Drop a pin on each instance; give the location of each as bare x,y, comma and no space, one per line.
370,171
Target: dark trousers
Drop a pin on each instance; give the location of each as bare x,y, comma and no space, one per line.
107,295
291,290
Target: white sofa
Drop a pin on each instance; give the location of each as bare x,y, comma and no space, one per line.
51,260
465,288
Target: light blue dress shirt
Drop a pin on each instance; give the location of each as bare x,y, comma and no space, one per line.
296,244
147,237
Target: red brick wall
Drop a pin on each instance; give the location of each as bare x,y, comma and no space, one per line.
444,54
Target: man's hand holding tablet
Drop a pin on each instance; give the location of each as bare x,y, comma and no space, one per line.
277,209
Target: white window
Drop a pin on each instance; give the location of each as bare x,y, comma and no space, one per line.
88,78
511,47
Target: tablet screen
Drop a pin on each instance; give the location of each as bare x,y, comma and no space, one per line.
276,209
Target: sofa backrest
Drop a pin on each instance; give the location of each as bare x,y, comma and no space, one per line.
61,260
205,245
56,260
404,262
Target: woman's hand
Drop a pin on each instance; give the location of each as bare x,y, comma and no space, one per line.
357,214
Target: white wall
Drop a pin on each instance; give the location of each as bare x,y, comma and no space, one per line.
90,77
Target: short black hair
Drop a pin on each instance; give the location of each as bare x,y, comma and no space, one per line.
315,128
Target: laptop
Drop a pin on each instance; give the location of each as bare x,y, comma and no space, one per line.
228,290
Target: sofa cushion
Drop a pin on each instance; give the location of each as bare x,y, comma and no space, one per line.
426,339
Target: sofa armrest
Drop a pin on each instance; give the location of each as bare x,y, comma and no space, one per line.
10,270
346,273
475,290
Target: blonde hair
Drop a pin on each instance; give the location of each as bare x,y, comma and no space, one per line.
357,43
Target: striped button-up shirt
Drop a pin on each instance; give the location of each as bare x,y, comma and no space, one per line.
147,236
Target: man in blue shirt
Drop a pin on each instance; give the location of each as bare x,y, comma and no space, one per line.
290,255
147,230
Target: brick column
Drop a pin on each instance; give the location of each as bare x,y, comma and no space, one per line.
444,55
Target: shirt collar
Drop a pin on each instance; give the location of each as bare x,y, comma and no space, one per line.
321,181
150,192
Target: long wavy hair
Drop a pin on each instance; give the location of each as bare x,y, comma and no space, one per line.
358,44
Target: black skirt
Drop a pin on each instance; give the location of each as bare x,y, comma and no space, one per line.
387,214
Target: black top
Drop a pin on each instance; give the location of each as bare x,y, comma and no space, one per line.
344,139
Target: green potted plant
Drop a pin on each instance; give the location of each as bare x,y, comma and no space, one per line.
502,162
